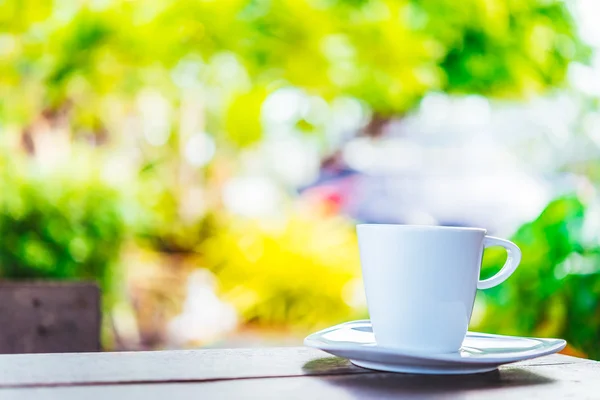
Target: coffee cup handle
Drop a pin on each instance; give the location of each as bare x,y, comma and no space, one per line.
511,264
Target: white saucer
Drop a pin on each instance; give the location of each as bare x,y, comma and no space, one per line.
481,352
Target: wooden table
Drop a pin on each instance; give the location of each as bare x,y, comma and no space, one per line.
275,373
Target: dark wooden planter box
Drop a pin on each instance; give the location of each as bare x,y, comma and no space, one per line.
49,317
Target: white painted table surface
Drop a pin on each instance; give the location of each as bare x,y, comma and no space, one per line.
279,373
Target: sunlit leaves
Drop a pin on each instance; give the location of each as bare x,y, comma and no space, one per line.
388,53
294,274
243,124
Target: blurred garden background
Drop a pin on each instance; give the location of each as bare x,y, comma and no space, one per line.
206,161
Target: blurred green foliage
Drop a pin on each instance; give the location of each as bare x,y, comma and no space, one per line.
388,53
555,290
58,227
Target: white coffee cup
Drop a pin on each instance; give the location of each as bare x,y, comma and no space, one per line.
420,282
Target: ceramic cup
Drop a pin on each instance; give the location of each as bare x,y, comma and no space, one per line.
420,282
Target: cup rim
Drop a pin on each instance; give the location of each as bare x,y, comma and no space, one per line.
422,227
